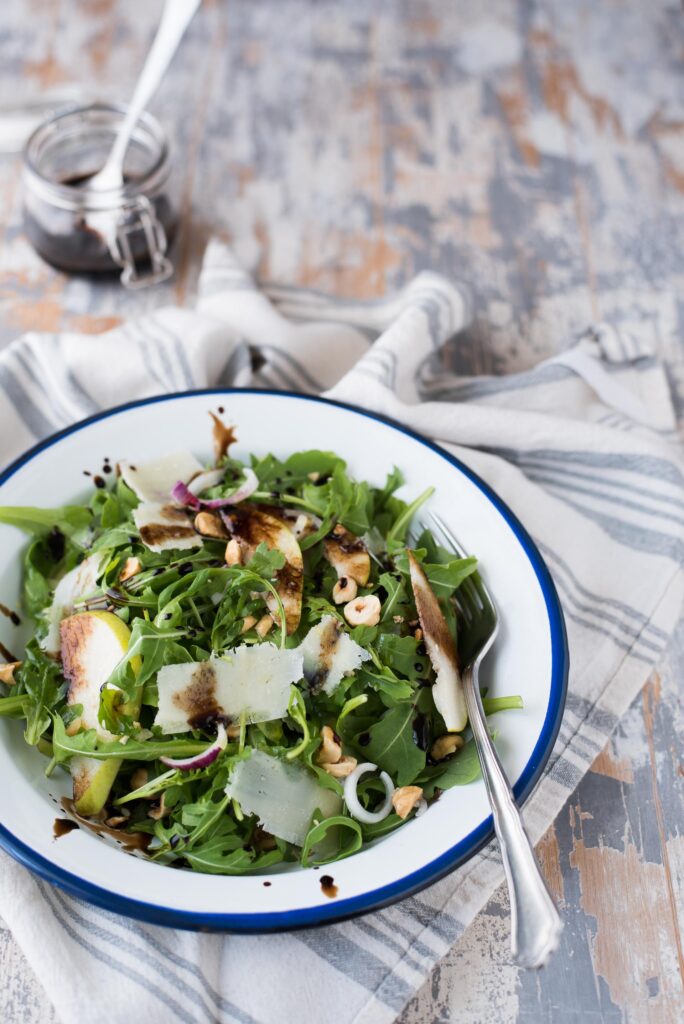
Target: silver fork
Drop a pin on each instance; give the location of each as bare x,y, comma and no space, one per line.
535,922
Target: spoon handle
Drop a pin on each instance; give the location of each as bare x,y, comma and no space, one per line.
176,17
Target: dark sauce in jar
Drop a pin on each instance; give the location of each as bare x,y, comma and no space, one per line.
78,247
124,230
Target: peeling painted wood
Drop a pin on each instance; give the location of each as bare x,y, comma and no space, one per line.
534,149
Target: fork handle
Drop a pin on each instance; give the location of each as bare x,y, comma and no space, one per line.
535,922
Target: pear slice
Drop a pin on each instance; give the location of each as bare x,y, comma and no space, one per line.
92,645
447,691
348,555
251,527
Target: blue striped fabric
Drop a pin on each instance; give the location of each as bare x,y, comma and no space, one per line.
583,447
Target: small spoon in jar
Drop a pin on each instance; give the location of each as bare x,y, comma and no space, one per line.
176,17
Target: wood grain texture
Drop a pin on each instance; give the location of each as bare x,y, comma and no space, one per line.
535,150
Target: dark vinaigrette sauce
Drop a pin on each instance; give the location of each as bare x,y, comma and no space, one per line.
81,249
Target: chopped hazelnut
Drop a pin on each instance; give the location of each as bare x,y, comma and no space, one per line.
209,525
344,767
159,810
247,623
139,778
446,745
131,567
115,821
363,611
74,727
264,625
405,799
233,552
344,590
7,672
330,750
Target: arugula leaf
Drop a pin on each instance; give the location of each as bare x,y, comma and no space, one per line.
156,647
397,531
88,743
401,654
390,744
333,840
266,561
444,578
460,769
494,704
40,521
40,679
302,463
397,596
14,706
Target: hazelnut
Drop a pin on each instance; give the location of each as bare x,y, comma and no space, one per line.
159,810
446,745
247,623
131,567
116,821
330,750
344,590
264,625
209,525
363,611
233,552
302,525
405,799
344,767
7,672
139,778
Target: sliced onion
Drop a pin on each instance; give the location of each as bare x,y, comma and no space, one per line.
354,804
183,495
203,760
203,481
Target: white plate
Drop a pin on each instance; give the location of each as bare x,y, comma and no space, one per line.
529,657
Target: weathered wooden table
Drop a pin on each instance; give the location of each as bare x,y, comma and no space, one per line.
535,150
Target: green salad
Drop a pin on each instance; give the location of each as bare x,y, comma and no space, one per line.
243,664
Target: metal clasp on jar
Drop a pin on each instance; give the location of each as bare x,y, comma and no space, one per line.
139,215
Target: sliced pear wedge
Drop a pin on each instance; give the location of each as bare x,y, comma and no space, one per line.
251,527
92,645
348,555
447,691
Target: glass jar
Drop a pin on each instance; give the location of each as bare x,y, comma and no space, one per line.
127,229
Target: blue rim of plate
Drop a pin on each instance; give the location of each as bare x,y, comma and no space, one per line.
430,873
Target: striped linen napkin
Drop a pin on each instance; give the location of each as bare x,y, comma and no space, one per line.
583,447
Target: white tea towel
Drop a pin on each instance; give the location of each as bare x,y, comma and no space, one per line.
584,449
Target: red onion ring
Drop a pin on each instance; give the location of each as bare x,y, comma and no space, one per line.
182,494
203,760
